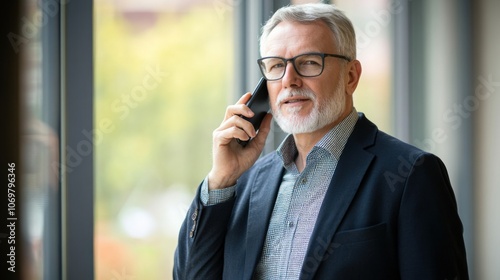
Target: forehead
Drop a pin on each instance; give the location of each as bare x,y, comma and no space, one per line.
292,38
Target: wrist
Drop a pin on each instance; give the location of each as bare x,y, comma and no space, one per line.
217,183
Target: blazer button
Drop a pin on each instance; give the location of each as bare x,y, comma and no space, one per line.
195,214
193,217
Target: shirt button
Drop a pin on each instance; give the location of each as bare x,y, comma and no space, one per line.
303,180
290,224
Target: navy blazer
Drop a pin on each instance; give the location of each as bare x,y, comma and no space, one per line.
389,213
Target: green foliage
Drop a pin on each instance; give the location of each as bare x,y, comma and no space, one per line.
165,131
160,91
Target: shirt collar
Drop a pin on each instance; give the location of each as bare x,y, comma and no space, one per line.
333,142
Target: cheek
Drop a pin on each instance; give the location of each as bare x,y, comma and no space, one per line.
272,103
326,89
274,91
320,90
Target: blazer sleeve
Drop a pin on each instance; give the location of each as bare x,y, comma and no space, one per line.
200,249
429,229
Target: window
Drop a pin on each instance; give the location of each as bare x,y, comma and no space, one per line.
372,24
163,77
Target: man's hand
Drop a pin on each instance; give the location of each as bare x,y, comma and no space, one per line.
230,159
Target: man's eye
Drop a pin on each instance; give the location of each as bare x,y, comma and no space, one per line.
276,66
310,62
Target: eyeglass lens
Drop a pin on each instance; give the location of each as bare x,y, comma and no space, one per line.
307,65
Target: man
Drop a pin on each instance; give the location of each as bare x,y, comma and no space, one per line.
339,199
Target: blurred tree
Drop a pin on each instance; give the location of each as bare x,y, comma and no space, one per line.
159,93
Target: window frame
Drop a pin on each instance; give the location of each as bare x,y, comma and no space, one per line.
77,96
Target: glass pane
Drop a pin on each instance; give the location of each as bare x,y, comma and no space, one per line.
38,197
372,23
163,71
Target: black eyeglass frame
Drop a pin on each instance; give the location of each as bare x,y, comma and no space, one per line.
285,62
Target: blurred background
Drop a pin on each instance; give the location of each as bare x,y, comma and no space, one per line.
111,105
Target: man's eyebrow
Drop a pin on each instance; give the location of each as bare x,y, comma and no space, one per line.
303,52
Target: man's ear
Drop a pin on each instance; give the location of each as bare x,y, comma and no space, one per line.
353,75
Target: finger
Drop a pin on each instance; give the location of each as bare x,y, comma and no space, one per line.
244,98
226,136
242,126
238,121
238,110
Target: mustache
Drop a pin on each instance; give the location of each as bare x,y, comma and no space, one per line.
295,92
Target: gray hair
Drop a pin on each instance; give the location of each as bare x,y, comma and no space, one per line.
336,20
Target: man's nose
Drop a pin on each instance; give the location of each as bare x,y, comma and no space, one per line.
291,77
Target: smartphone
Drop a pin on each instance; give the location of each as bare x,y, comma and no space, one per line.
259,104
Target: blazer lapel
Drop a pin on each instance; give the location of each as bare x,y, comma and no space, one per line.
262,199
350,170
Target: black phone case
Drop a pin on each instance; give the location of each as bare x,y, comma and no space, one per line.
259,104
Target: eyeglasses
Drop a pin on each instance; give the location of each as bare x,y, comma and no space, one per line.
306,65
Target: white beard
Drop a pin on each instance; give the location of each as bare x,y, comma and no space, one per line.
321,115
